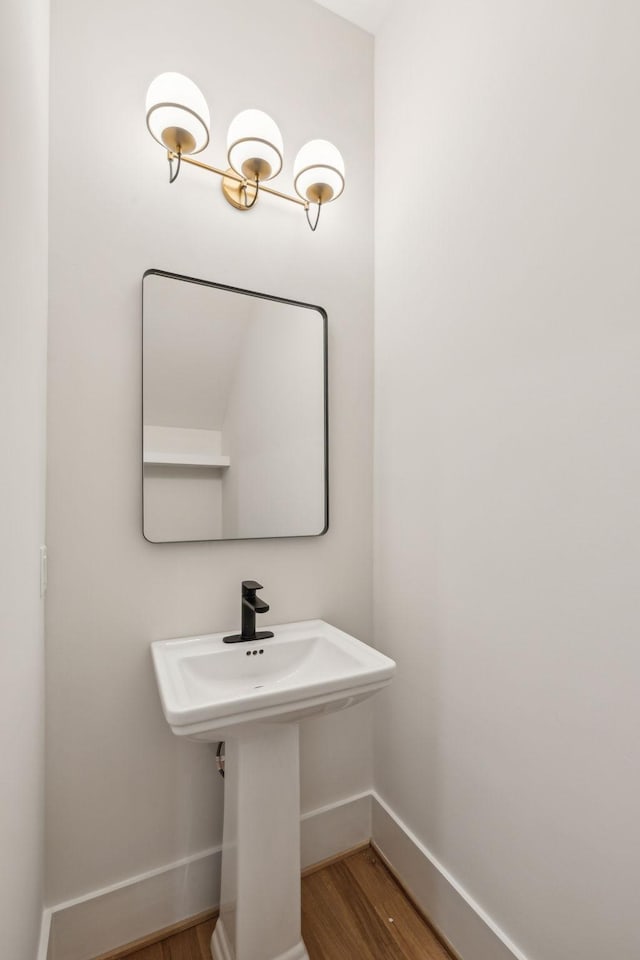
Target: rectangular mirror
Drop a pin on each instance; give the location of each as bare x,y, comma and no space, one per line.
234,413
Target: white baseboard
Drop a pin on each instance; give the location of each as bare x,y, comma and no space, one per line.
45,928
469,930
106,919
330,830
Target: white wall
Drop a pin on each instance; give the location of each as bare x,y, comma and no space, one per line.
507,536
124,795
23,277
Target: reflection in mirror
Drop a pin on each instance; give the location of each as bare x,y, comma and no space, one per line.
234,413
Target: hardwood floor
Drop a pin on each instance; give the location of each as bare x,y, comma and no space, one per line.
351,910
355,910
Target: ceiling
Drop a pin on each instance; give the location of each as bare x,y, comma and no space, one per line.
367,14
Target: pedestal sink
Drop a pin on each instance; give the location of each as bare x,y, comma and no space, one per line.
252,695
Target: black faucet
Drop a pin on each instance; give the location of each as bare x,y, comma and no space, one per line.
250,606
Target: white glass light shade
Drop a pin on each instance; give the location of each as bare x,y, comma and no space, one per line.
319,172
177,113
255,146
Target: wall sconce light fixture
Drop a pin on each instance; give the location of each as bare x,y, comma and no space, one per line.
178,118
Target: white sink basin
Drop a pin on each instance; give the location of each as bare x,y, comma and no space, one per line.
211,690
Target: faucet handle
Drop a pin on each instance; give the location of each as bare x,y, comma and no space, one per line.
250,586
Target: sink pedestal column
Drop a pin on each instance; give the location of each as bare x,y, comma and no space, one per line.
260,898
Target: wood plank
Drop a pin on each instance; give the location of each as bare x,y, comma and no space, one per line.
327,932
338,922
153,952
203,933
449,948
182,946
129,950
411,933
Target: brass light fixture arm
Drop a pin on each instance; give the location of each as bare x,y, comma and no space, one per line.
234,176
243,188
171,157
314,224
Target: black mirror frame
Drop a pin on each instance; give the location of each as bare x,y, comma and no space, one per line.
325,343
